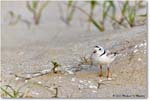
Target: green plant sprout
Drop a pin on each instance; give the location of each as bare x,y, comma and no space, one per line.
36,8
55,66
13,93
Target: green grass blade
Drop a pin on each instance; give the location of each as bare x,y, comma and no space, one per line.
5,91
28,5
71,11
125,7
98,26
131,16
113,9
93,4
39,13
70,3
35,4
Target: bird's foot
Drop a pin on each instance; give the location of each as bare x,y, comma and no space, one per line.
109,78
100,74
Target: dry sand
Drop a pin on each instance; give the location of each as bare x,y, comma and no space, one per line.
26,50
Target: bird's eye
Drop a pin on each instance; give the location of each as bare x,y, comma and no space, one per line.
100,49
96,46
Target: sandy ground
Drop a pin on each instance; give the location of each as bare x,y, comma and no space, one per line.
26,50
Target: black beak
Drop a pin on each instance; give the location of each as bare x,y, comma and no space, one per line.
94,51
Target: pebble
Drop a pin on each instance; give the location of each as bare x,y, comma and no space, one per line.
17,78
141,45
37,74
94,91
100,80
80,91
70,72
85,84
91,86
28,76
45,71
35,93
135,46
73,79
139,59
39,82
26,81
135,50
80,86
81,81
89,81
109,79
59,77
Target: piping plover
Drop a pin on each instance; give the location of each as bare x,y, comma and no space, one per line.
100,56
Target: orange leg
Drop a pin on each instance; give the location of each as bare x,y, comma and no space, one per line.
101,73
108,73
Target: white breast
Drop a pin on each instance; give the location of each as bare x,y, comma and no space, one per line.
105,59
101,59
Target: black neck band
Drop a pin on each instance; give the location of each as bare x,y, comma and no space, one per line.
103,53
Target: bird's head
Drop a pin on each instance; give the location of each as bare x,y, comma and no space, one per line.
98,50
